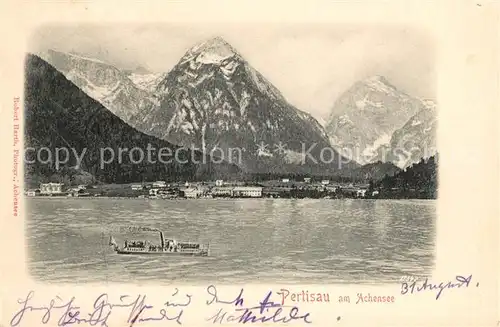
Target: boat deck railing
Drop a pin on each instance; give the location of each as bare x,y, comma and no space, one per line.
202,247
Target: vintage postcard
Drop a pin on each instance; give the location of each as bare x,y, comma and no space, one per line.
215,163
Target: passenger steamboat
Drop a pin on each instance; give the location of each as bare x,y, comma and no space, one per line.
166,246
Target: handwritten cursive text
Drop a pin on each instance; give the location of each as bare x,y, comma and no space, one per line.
414,287
68,313
265,311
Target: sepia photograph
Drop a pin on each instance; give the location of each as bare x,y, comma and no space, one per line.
199,163
177,153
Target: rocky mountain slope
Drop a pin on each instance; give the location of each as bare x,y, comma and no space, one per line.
146,81
123,93
59,115
215,101
414,141
366,116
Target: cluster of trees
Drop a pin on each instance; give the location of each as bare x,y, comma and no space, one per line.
417,181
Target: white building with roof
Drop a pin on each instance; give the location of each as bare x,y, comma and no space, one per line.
247,191
192,193
361,193
160,184
51,188
222,191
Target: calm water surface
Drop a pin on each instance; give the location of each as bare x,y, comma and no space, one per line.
252,240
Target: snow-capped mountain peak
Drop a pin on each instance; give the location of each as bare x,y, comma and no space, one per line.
214,99
215,45
377,79
105,83
429,104
82,57
380,84
368,112
147,82
213,51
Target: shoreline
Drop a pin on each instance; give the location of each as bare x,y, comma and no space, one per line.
216,198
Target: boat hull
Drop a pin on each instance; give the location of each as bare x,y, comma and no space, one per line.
166,247
202,253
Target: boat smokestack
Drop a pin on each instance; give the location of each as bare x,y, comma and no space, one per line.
112,242
162,239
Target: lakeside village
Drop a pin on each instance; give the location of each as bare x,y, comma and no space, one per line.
284,188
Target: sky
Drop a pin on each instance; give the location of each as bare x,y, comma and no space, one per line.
312,65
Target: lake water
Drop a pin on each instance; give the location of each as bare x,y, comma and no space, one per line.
251,240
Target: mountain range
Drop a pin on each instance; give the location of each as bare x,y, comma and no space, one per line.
60,115
414,141
214,101
124,93
373,115
213,98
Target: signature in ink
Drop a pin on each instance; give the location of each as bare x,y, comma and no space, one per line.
266,311
136,313
211,290
415,287
68,313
